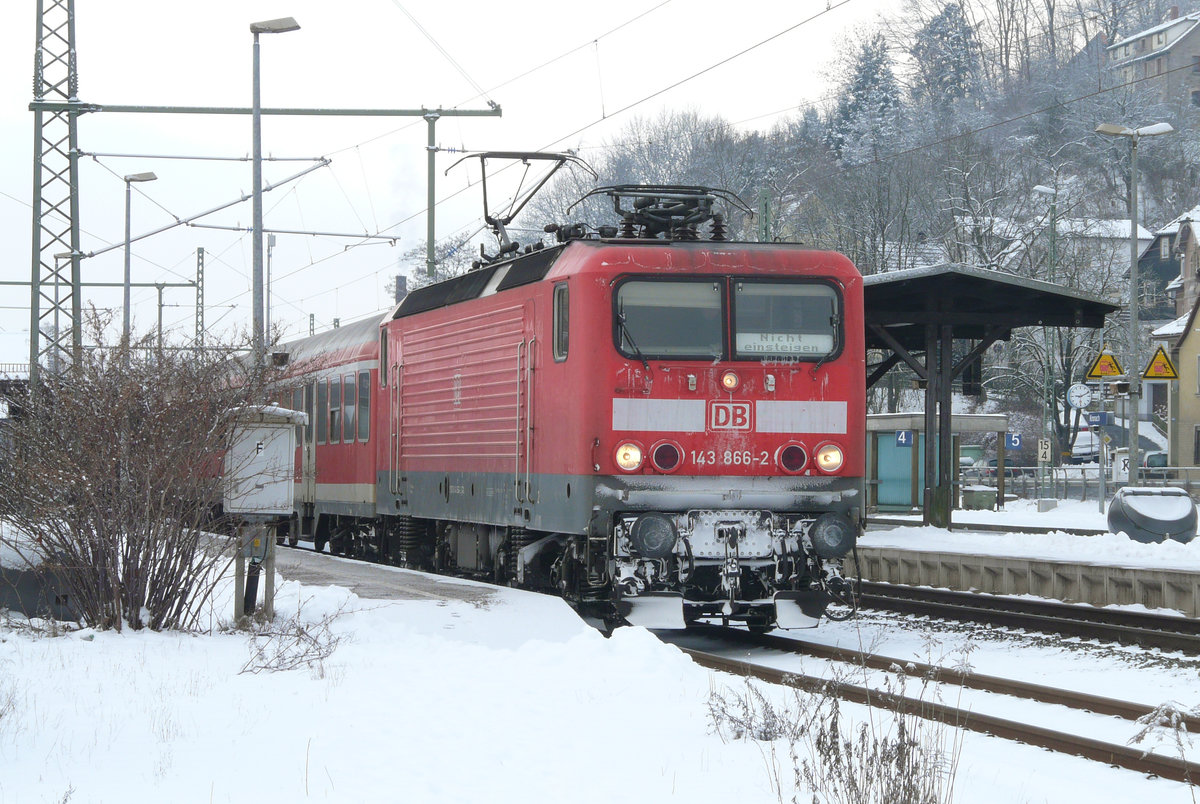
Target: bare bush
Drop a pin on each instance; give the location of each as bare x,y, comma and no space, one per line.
110,473
810,748
292,644
1167,723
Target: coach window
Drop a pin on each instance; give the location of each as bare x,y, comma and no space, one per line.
669,319
349,419
322,410
560,322
364,405
797,320
335,410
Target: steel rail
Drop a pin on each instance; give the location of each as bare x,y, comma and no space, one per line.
1127,628
1173,768
1041,693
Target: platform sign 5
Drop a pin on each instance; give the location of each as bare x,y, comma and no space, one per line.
904,438
1012,440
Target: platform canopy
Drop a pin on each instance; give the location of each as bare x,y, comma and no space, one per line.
914,316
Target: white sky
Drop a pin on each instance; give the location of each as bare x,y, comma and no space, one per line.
355,54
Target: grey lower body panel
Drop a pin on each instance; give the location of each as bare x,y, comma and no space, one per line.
587,503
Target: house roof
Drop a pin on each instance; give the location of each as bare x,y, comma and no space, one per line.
1189,20
1172,330
1112,228
1173,227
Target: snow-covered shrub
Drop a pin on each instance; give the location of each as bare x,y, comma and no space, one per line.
109,477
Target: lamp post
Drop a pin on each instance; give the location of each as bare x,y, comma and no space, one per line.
129,181
1133,367
282,25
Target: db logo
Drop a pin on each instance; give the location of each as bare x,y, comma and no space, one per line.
729,416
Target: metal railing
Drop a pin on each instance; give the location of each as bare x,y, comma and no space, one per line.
1075,482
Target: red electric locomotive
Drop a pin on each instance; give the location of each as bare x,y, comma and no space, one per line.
661,428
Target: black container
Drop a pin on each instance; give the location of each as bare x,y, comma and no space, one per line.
1152,515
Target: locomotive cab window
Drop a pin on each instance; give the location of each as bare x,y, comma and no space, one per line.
798,320
561,330
669,319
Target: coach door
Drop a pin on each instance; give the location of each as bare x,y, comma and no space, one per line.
308,458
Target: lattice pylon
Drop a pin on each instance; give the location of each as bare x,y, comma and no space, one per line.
55,308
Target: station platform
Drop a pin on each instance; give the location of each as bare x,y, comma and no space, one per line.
375,581
1068,581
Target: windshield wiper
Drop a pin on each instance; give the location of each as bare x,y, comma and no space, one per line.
632,343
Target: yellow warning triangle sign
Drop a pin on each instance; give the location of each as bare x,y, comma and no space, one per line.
1160,367
1105,365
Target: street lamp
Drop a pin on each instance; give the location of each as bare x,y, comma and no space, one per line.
282,25
129,181
1133,370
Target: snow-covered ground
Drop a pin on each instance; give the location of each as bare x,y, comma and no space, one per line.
514,700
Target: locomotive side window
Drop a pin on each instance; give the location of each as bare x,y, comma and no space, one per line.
669,319
349,419
335,410
364,405
322,410
560,322
383,361
796,320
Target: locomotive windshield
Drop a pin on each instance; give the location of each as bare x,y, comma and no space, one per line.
785,320
657,318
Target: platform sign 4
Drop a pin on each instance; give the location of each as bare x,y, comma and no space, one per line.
904,438
1044,450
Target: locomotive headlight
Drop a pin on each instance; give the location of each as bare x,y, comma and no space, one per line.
730,381
829,458
629,456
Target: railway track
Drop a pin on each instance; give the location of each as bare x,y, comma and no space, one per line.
1114,625
1135,759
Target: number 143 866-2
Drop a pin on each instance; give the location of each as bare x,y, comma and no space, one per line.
729,457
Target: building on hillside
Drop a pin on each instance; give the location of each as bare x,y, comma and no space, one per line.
1169,51
1181,339
1175,245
